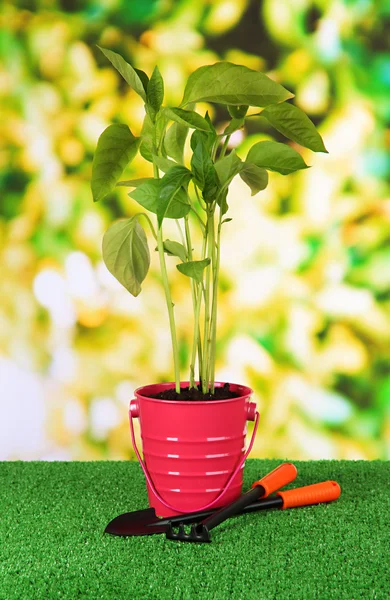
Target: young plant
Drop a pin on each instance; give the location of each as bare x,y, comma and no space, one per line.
198,190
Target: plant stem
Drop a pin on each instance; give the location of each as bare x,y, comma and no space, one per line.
196,300
150,223
197,341
214,306
170,306
180,232
202,204
203,226
206,340
212,254
224,146
202,293
197,337
215,147
215,247
168,298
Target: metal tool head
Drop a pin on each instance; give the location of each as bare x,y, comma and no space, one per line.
141,522
198,533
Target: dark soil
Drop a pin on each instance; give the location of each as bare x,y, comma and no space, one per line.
220,393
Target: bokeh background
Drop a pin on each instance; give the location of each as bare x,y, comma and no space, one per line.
305,286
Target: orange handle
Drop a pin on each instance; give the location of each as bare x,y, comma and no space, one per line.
282,475
311,494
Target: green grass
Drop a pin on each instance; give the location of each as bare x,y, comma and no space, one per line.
52,517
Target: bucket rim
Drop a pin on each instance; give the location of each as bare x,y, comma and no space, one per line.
242,390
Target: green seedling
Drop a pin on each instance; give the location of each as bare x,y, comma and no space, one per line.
193,192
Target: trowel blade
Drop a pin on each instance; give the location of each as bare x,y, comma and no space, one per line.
139,522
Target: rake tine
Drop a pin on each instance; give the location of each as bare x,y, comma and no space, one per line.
200,533
175,532
197,533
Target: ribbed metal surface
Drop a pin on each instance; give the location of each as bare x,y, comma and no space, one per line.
192,448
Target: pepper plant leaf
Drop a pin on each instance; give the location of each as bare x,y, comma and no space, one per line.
128,73
222,201
194,268
164,164
238,112
292,122
146,145
203,169
234,125
227,167
146,194
133,182
227,83
190,118
175,249
207,139
143,77
126,253
115,149
174,142
255,177
155,91
179,206
210,124
159,128
211,134
173,199
274,156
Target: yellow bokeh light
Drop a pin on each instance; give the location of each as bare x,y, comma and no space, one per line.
223,15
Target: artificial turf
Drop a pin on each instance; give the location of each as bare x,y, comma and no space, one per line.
52,517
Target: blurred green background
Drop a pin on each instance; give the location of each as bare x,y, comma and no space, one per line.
305,279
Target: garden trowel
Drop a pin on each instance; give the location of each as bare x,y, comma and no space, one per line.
146,522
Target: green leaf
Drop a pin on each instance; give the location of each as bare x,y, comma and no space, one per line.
238,112
155,92
203,169
190,118
194,268
255,177
234,125
159,128
174,142
211,126
172,203
211,135
227,167
179,206
274,156
146,151
227,83
126,253
175,249
116,147
222,201
128,73
143,77
146,194
292,122
227,220
164,164
207,139
146,146
133,182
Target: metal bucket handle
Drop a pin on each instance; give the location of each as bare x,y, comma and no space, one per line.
133,413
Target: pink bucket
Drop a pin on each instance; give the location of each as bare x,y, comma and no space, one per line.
193,451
